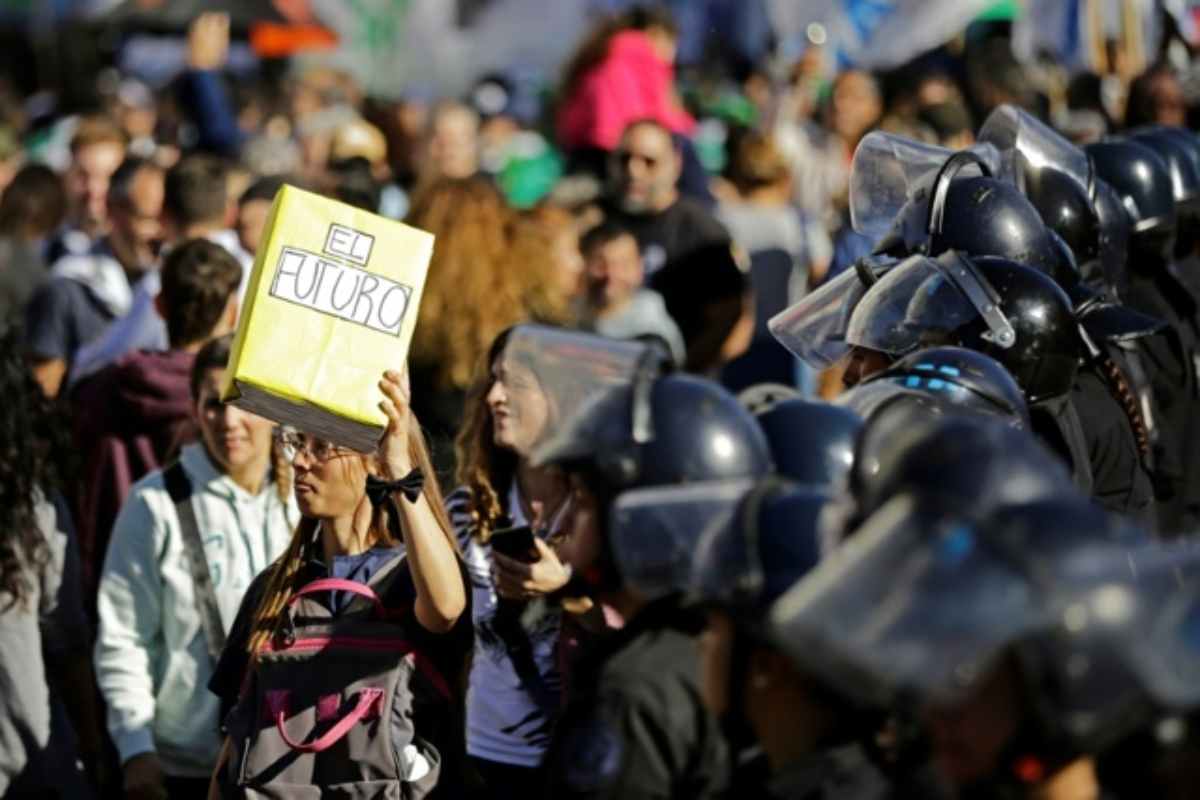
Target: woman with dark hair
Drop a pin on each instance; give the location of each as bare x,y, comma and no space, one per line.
515,685
44,665
32,208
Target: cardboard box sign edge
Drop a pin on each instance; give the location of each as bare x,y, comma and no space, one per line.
337,428
238,382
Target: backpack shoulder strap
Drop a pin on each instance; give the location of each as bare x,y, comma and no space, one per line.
180,489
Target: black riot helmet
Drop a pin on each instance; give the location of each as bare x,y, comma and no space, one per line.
923,607
747,561
1067,210
1178,148
1005,310
976,215
947,379
734,544
1053,172
1142,180
674,429
1180,158
811,442
1108,272
609,409
969,462
626,428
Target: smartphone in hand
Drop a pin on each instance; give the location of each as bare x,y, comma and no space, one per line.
516,543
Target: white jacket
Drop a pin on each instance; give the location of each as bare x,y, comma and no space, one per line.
152,660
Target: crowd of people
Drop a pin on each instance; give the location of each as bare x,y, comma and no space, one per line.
767,431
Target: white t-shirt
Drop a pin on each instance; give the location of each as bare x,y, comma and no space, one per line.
515,683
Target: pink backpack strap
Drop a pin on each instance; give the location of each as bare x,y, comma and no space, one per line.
341,585
367,698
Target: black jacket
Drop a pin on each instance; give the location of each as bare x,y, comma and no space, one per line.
634,726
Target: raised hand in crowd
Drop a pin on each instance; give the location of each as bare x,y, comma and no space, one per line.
208,41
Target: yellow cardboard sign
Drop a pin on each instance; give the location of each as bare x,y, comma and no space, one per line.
332,302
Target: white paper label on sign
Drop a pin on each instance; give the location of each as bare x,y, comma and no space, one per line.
341,290
349,244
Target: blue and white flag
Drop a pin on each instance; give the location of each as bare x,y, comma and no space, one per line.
873,34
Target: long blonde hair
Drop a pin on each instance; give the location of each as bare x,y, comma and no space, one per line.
489,271
286,573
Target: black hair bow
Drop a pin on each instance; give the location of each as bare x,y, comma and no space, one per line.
378,490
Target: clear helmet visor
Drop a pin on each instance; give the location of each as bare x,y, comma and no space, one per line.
814,329
923,302
888,171
770,541
1027,146
1141,606
914,605
548,382
654,532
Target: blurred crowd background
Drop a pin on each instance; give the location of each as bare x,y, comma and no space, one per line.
674,171
498,125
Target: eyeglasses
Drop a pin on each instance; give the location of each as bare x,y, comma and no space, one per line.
293,444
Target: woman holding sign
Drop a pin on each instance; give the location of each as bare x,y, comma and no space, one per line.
346,649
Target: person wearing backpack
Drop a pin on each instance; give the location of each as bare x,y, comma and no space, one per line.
186,545
340,666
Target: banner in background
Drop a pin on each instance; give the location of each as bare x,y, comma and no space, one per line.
873,34
1074,32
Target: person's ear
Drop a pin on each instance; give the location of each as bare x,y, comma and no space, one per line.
230,314
227,322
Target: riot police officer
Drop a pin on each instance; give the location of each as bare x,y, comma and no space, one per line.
1143,182
742,565
1026,639
922,199
1021,318
633,725
972,462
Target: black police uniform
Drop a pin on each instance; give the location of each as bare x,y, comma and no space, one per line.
1187,273
1120,481
635,726
1169,360
1143,181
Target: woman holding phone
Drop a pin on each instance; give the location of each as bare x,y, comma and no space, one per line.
505,513
360,619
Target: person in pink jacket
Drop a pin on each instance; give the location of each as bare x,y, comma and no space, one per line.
623,72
